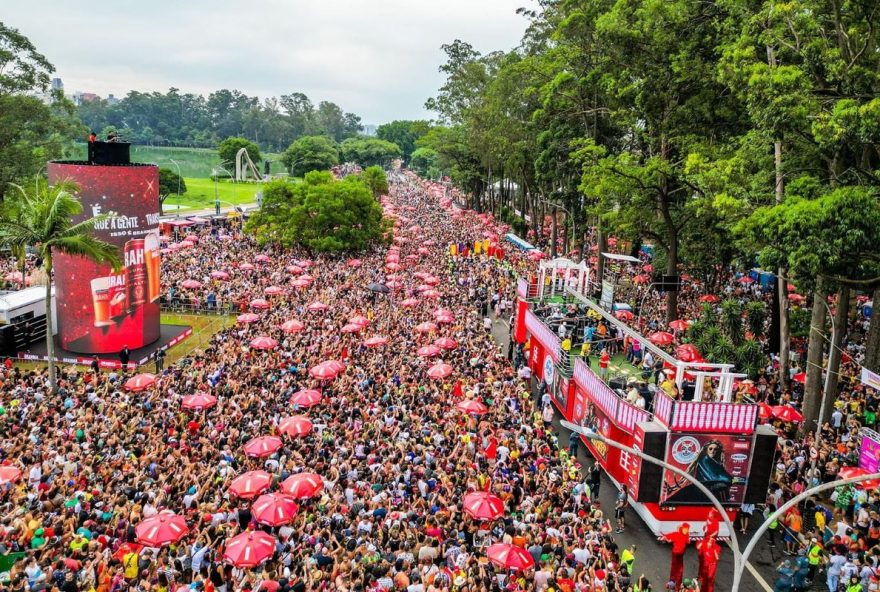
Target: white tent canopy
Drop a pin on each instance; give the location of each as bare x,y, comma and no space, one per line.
557,274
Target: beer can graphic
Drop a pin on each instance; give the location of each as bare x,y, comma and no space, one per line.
152,257
135,273
118,296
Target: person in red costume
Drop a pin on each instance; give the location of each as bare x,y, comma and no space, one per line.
713,523
709,553
680,540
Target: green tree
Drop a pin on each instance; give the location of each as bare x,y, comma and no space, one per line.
320,214
368,151
48,226
31,132
229,148
374,178
170,183
310,153
425,162
403,133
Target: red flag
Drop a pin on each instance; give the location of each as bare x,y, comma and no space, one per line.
492,448
344,354
456,391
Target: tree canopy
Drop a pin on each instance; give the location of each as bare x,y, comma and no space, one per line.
368,151
229,148
403,133
321,214
310,153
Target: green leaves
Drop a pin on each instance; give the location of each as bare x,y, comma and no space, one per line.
310,153
228,150
321,214
369,151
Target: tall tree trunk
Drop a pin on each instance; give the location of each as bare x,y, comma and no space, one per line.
872,343
672,270
50,340
833,377
554,233
602,242
815,349
781,280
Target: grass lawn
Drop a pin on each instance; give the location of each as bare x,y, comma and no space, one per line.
204,326
200,195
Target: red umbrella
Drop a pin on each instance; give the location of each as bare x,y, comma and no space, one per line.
422,288
431,280
260,304
300,283
352,328
661,338
199,401
295,269
641,279
140,382
250,484
219,275
746,280
423,251
482,505
687,353
787,414
445,319
186,243
375,341
161,529
439,371
273,291
800,377
393,266
303,485
306,398
262,446
510,557
765,411
710,298
246,266
305,263
624,315
850,472
263,342
354,263
292,326
472,407
262,259
247,317
306,278
191,284
446,343
323,371
426,328
648,268
796,298
335,364
274,509
9,474
297,425
249,549
432,294
428,351
359,320
679,325
317,307
409,302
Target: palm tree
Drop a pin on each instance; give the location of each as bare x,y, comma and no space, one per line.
47,225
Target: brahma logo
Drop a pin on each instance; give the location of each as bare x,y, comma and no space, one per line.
685,450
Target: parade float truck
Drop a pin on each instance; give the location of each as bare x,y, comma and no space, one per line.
719,443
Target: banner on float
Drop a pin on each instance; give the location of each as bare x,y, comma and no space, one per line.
871,379
869,451
718,461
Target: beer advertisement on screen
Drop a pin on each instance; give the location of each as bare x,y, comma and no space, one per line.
720,462
102,310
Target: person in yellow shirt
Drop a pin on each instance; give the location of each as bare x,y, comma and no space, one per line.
130,566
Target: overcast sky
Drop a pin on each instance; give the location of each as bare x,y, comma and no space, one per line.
376,58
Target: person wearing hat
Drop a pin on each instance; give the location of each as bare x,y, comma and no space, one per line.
784,579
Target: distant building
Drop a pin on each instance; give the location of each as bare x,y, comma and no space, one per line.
57,84
111,100
369,130
79,98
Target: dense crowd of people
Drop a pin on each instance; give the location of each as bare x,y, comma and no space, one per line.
395,452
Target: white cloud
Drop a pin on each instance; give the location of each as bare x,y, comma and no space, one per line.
378,59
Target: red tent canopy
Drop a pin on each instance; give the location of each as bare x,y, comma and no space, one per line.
306,398
161,529
140,382
482,505
249,549
262,446
250,484
274,509
303,485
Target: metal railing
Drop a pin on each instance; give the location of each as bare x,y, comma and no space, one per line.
187,306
